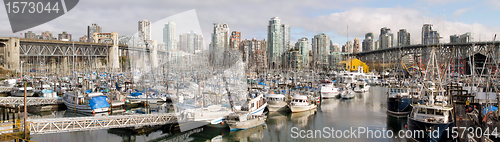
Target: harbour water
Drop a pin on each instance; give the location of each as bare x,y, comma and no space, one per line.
367,110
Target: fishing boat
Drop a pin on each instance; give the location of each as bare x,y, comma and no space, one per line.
276,102
255,104
347,92
90,103
435,118
398,100
301,103
242,121
327,89
18,89
361,86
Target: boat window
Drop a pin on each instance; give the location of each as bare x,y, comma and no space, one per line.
281,99
421,111
430,111
439,112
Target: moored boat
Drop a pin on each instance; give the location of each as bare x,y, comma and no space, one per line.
301,103
90,103
398,100
276,102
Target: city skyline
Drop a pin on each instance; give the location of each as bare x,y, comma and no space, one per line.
448,18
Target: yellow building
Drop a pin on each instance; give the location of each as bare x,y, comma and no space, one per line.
354,65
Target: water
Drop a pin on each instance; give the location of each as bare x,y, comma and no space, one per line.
366,110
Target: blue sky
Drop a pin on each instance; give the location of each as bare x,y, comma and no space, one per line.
306,18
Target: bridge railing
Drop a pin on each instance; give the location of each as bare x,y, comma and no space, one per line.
29,101
40,126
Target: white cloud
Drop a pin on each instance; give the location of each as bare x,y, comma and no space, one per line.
461,11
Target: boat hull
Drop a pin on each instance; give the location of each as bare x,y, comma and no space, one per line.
21,93
438,131
301,108
274,106
329,95
84,108
399,106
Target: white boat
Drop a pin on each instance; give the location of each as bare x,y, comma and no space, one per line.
328,90
18,90
301,103
242,121
90,103
255,104
7,85
213,114
347,93
361,87
276,102
151,98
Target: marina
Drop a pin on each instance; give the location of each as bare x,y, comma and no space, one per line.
158,85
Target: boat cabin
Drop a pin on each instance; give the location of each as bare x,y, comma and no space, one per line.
433,114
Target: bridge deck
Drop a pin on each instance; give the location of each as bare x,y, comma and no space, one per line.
57,125
30,101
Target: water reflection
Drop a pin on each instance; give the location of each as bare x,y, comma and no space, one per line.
301,119
253,134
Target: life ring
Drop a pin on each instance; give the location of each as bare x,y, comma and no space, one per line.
93,112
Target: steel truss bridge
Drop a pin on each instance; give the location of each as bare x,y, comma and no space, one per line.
442,51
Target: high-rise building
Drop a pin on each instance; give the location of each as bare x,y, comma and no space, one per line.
83,38
219,44
64,36
386,38
274,42
335,48
370,35
464,38
235,40
144,29
356,48
190,42
91,30
320,50
303,46
368,44
169,36
429,36
256,53
403,37
454,38
30,35
348,47
286,36
198,43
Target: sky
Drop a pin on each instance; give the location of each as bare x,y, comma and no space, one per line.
306,18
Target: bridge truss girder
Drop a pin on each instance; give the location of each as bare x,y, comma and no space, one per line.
55,50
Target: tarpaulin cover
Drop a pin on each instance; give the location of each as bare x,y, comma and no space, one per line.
490,108
98,102
88,91
261,83
135,94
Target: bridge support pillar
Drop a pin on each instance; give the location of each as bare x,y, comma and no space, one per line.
64,64
113,61
12,54
52,64
154,54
